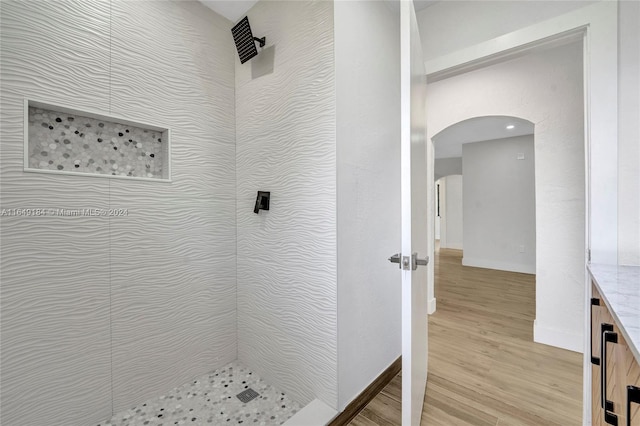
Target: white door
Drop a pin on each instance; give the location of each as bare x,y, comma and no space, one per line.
414,217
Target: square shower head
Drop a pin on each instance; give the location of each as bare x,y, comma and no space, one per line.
243,37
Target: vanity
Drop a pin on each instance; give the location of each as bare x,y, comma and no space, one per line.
615,345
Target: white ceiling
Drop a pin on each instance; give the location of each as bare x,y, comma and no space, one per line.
448,143
233,10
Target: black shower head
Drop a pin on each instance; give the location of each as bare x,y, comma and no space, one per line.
245,41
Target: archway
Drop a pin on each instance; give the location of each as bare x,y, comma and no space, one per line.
498,211
544,88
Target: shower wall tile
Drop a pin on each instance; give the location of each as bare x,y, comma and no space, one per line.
55,271
165,272
173,294
55,321
183,75
287,256
174,290
46,58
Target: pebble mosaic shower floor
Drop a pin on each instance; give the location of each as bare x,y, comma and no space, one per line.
211,400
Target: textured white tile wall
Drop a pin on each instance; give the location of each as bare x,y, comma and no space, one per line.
55,271
174,287
166,273
285,124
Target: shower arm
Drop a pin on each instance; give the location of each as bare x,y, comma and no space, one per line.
262,41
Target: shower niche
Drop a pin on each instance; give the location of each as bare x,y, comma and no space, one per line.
69,141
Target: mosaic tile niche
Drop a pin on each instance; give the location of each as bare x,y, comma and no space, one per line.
68,142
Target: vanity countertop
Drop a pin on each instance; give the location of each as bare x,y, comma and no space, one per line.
619,286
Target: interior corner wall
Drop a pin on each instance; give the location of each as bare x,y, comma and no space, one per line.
499,204
286,144
368,178
628,132
452,214
549,88
126,306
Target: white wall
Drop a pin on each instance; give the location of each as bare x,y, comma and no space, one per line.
368,158
285,143
447,166
629,133
451,213
546,89
129,307
499,204
448,26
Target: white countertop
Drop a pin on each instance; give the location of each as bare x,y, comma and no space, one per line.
620,288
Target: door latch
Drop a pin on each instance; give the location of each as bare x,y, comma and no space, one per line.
408,263
396,259
403,261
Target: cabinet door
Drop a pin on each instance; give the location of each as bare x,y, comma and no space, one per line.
597,414
622,369
608,362
596,410
627,373
596,314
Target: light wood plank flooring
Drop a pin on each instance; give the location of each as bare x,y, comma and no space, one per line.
484,368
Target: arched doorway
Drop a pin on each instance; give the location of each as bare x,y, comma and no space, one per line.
493,218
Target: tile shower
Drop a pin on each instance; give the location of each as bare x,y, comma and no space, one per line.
102,315
62,141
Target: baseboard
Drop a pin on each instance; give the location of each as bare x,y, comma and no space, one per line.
559,338
431,308
368,394
500,266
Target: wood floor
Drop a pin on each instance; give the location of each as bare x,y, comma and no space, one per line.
484,368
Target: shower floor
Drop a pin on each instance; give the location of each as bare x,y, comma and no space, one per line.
211,399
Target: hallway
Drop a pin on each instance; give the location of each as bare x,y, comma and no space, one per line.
484,368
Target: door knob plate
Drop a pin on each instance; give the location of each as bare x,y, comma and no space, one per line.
409,263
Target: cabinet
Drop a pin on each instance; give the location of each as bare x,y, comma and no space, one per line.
615,373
